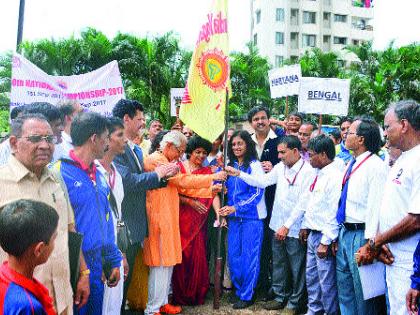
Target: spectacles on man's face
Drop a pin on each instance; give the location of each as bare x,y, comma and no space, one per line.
180,151
351,133
38,138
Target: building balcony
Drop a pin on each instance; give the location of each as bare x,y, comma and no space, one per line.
366,13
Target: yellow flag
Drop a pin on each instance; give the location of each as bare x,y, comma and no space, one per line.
203,105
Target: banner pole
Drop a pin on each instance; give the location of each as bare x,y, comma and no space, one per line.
219,259
286,111
320,124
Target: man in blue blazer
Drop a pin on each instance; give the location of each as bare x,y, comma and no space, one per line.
136,182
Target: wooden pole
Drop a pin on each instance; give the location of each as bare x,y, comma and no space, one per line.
286,110
320,124
219,259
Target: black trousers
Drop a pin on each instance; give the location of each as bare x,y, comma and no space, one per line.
131,254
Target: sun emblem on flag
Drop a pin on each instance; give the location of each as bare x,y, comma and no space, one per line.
214,69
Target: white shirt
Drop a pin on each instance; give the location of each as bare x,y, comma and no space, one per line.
271,135
5,152
401,197
118,190
365,191
321,209
288,201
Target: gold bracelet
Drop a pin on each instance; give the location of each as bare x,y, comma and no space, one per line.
85,272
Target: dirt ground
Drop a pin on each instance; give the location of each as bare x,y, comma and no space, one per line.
226,308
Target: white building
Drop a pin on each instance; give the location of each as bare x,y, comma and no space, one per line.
283,29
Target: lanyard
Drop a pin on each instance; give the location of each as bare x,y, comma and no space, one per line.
347,177
291,183
312,187
111,178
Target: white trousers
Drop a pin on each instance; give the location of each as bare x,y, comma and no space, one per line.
158,287
113,297
398,283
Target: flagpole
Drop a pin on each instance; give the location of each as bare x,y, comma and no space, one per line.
219,260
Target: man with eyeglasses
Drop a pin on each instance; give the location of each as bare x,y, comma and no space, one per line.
340,149
358,211
399,217
49,111
26,175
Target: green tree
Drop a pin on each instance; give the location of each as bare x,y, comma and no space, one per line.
250,86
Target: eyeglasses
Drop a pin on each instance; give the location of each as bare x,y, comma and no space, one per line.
179,151
38,138
351,133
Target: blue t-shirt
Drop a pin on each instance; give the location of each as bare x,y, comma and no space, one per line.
17,300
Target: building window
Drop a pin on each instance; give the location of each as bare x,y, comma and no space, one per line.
294,40
327,19
255,39
309,17
279,61
279,38
258,16
308,40
326,39
294,17
355,42
280,15
340,40
340,18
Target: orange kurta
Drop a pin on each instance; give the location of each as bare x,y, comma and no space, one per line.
163,245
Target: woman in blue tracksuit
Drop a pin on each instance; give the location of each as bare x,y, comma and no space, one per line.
245,210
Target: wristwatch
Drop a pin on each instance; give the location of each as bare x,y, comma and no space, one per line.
371,243
85,272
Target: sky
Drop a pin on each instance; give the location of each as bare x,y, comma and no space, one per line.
394,20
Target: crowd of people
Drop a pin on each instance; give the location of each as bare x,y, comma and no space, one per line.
84,196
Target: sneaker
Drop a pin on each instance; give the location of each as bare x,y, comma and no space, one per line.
274,305
242,304
170,309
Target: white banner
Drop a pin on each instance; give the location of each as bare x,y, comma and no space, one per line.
176,98
285,81
324,96
96,91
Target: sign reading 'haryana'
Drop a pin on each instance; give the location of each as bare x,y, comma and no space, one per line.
96,91
285,81
324,96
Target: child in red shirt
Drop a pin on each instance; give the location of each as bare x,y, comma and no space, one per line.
27,233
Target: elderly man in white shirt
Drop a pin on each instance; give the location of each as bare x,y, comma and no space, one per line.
399,219
320,227
293,177
358,210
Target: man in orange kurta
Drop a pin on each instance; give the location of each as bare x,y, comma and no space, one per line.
162,248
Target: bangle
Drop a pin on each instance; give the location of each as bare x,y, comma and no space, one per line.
85,272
